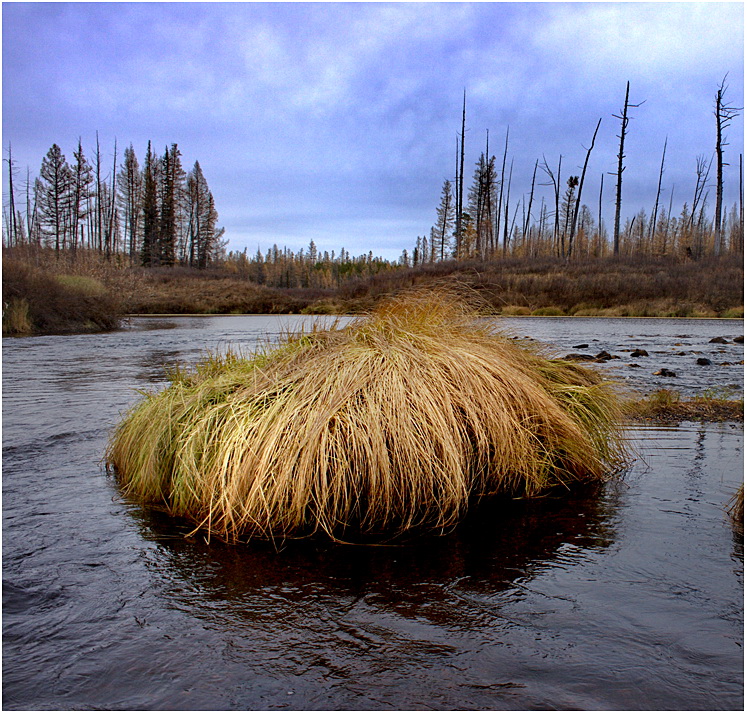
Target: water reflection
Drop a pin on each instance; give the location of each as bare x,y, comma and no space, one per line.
459,579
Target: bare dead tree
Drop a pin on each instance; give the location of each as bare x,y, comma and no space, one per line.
580,189
741,190
724,114
30,212
555,183
506,236
658,193
460,183
11,223
529,208
111,232
599,223
513,222
541,227
669,218
701,177
620,167
489,194
457,217
499,212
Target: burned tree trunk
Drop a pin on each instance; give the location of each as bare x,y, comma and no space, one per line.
724,115
581,188
620,167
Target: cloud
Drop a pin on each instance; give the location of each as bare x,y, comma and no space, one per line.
334,114
641,38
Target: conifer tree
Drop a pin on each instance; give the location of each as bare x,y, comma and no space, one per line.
445,214
82,179
167,219
204,239
54,195
131,199
149,253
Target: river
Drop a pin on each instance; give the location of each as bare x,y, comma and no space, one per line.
624,596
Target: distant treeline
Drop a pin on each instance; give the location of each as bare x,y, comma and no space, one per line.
310,268
160,215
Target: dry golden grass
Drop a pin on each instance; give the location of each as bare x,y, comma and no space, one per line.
667,405
736,509
16,318
395,422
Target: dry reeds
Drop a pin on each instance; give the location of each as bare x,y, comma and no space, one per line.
736,510
667,405
393,423
16,318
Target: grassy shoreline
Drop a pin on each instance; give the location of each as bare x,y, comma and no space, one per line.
352,314
606,287
666,406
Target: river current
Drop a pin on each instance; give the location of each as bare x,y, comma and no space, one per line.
624,596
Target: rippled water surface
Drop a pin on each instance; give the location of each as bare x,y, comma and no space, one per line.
627,596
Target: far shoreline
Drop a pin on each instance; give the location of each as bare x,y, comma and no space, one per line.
358,314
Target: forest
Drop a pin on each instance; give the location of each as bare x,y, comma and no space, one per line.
160,215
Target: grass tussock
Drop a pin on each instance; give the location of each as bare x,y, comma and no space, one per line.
736,510
16,318
393,423
667,405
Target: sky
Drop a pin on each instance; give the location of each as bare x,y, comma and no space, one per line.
337,122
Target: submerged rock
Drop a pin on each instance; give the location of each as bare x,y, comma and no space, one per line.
639,353
719,341
664,372
605,356
577,357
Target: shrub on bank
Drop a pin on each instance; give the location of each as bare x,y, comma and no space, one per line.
549,311
667,405
393,423
54,303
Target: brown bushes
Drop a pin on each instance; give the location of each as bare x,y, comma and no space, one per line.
666,405
69,304
183,290
624,286
636,287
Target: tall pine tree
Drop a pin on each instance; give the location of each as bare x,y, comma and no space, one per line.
149,253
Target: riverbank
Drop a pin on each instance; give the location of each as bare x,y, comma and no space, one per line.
666,406
546,287
37,301
543,288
